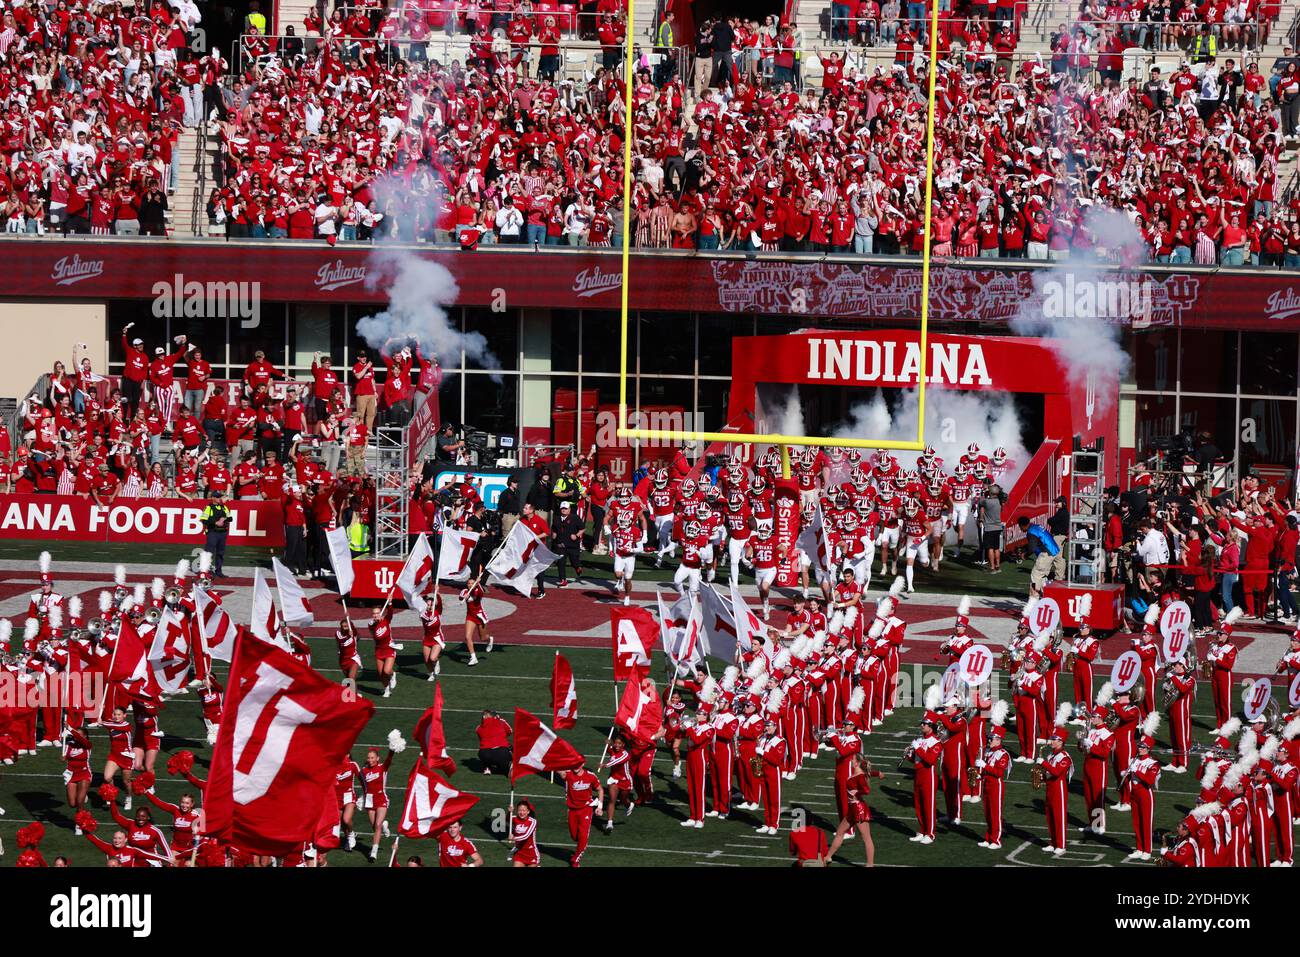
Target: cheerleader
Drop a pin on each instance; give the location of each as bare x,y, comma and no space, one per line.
476,620
432,644
76,776
381,629
120,755
142,834
185,825
347,773
857,815
374,780
210,698
619,782
345,637
147,736
523,836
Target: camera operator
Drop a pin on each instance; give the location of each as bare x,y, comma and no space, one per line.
448,446
480,520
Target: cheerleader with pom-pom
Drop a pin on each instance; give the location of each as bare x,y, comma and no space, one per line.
76,775
374,781
120,755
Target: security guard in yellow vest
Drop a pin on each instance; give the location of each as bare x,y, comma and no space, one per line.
358,536
1205,46
666,47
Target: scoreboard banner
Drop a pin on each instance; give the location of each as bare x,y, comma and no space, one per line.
168,521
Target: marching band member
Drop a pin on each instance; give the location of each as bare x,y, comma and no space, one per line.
1028,685
856,814
1222,657
980,704
994,767
1282,775
1083,652
1186,851
749,731
1259,801
1058,770
697,738
46,599
847,745
725,725
925,752
1127,717
952,725
1149,651
1143,777
771,753
1096,743
1182,686
957,643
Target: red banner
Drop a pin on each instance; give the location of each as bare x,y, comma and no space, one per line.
173,273
169,521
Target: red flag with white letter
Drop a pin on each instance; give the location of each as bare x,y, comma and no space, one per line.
564,694
640,712
432,804
130,663
431,737
634,631
538,748
284,732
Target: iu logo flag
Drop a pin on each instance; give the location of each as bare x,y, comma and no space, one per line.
453,554
293,600
634,631
215,627
431,737
564,694
169,654
749,627
341,559
417,575
640,712
130,664
519,561
539,749
431,804
284,732
685,645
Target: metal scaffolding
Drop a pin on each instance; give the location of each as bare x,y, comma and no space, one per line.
391,491
1087,518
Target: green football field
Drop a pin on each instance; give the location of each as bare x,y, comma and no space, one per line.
518,676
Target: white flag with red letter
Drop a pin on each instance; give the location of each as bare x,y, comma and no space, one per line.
640,712
293,600
341,559
749,627
538,748
215,626
453,554
684,641
417,575
285,730
169,653
432,804
265,622
520,560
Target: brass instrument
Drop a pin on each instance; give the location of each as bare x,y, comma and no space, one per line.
1112,720
1192,658
95,627
1169,694
172,597
1139,691
1207,669
756,765
905,761
153,616
1067,663
1037,776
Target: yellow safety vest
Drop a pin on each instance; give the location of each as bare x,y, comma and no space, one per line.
259,21
358,537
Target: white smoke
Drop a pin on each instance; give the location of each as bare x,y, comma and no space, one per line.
786,418
419,290
1088,345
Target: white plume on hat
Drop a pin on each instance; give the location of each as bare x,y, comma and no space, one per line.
1232,617
857,699
6,630
1207,810
1030,604
119,574
758,684
74,606
817,644
105,601
396,743
1228,728
1063,712
1235,773
800,647
205,562
56,616
877,629
182,568
31,627
998,713
1247,745
933,696
1292,729
1269,751
127,604
1151,724
884,607
1105,694
896,589
157,587
782,660
1211,776
44,563
140,593
1152,615
757,668
1041,641
729,678
1085,606
775,700
709,690
963,606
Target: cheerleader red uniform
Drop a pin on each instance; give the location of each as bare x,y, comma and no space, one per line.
347,647
145,838
433,625
473,598
620,772
119,743
374,781
127,856
856,804
523,834
184,823
343,779
211,700
382,632
147,735
455,853
76,757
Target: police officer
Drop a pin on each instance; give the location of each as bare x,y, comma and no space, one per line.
216,523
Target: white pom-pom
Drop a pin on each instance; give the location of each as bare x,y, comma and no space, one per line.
1152,615
105,601
119,574
1063,712
74,607
157,587
1292,729
1030,605
1228,728
56,616
44,563
1151,724
757,667
1211,776
1105,695
933,697
775,700
1085,606
963,606
396,743
182,569
31,628
709,690
1232,617
140,593
127,604
1269,751
857,699
998,713
729,678
897,588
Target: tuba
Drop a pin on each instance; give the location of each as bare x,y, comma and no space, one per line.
153,616
1139,691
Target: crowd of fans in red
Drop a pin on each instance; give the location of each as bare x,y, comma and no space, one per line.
356,131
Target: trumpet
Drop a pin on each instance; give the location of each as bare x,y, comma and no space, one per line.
153,616
95,627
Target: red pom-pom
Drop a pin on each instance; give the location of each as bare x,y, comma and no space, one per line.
180,762
142,782
212,854
30,858
86,821
107,792
30,836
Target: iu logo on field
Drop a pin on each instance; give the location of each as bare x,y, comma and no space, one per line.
384,578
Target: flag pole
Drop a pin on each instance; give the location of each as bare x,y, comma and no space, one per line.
393,856
612,726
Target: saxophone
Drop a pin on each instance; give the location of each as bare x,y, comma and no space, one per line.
1037,776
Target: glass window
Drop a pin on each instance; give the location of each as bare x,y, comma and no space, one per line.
449,405
549,413
1268,363
666,405
494,406
1267,431
714,395
600,341
268,336
1212,420
564,339
209,335
1155,359
1156,423
667,343
1209,361
716,333
501,332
